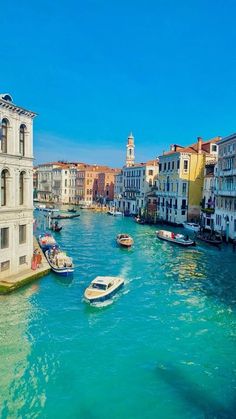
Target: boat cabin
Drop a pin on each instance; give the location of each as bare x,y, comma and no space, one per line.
102,283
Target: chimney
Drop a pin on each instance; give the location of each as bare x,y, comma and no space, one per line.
199,145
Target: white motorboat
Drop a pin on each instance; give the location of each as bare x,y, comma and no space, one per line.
192,226
179,239
103,288
114,213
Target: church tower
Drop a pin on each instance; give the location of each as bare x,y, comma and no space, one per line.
130,151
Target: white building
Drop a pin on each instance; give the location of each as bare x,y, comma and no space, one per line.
225,187
16,200
134,182
64,184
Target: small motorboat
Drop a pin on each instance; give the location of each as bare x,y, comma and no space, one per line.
179,239
102,288
47,242
124,240
59,261
114,213
64,217
213,238
72,210
192,226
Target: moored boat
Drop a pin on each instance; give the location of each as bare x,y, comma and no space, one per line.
47,241
213,238
72,210
103,288
114,213
171,237
124,240
59,261
192,226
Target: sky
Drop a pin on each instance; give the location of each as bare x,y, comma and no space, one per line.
95,70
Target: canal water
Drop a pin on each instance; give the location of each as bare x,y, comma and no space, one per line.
164,347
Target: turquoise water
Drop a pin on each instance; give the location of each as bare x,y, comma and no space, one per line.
163,348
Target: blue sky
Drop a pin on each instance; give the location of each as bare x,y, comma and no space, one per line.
96,70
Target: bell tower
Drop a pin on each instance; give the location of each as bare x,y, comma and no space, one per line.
130,151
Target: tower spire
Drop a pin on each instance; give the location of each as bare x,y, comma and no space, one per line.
130,151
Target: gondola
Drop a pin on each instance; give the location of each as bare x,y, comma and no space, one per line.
72,210
214,239
64,217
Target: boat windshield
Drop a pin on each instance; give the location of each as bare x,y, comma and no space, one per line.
99,286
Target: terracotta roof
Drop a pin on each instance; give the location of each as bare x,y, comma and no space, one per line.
193,148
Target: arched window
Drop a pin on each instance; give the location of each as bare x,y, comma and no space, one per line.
21,188
22,140
5,125
4,175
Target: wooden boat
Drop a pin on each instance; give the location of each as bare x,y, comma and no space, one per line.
72,210
103,288
64,217
114,213
59,261
171,237
215,239
124,240
192,226
47,241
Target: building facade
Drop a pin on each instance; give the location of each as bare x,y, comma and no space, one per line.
208,197
181,174
16,200
225,188
134,182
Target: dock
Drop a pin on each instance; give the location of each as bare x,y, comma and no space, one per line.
22,278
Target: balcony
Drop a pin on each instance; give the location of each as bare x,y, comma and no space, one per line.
208,210
225,192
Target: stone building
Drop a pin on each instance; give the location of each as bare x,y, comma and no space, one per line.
225,187
181,174
16,200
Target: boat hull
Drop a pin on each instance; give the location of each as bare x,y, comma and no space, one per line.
103,297
64,217
178,242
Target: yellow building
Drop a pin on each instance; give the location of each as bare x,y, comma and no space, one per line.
181,175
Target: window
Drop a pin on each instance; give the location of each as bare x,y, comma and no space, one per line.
5,125
22,260
184,188
5,265
164,166
159,167
177,164
65,182
173,165
185,165
150,172
21,188
169,165
4,187
22,140
22,233
4,237
235,225
213,148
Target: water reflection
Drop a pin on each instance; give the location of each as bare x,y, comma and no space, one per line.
19,377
